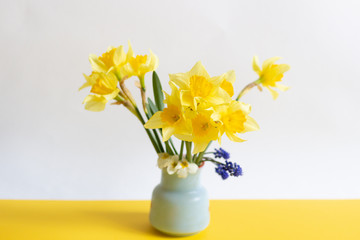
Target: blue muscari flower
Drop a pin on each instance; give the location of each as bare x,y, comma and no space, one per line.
236,170
221,153
228,169
221,170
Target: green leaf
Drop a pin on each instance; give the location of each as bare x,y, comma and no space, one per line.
152,106
149,112
158,93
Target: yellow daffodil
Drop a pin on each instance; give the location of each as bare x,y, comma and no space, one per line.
112,60
227,82
204,130
90,80
233,118
198,89
270,74
140,64
171,119
104,86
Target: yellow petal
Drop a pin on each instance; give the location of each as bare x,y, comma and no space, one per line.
219,139
167,97
85,85
186,98
220,96
130,52
189,112
112,95
110,48
183,126
230,76
127,70
90,80
174,98
119,56
180,79
274,93
281,87
228,87
200,146
150,65
255,65
184,137
216,81
267,63
96,64
216,117
199,70
154,62
95,103
246,108
250,125
105,84
233,137
283,68
155,121
167,132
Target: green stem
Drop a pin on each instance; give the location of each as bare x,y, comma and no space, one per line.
168,148
147,130
195,157
181,150
246,89
172,146
158,140
142,82
212,160
119,98
134,109
188,151
157,137
198,160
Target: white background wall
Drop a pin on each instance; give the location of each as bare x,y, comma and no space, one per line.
51,148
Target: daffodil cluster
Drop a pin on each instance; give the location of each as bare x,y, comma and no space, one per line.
199,109
110,70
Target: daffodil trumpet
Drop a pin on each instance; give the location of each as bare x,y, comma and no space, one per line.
198,110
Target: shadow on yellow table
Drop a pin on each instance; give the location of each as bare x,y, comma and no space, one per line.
230,219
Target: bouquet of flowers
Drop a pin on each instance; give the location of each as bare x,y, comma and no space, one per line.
198,110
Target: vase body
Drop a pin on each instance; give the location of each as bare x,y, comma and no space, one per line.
180,206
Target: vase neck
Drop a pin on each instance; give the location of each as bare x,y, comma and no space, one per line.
173,182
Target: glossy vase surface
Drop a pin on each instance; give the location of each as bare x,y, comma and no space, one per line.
180,206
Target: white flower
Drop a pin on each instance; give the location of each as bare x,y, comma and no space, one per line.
163,160
185,168
173,165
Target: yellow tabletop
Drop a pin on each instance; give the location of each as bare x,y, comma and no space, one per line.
230,219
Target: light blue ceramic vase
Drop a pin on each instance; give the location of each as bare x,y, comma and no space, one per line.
180,206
